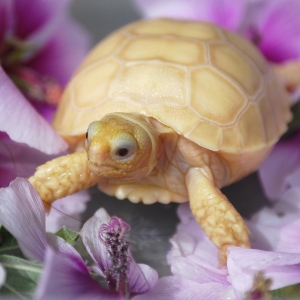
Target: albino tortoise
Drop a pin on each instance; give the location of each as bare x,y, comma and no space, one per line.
169,111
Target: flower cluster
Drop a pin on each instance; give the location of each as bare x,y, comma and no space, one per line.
23,215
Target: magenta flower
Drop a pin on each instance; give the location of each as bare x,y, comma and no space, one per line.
19,160
104,241
226,13
40,46
281,170
194,260
23,215
103,238
67,278
275,27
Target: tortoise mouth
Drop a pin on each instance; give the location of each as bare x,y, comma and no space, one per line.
98,169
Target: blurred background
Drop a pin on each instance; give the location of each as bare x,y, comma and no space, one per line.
152,225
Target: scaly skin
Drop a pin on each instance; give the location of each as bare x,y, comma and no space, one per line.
216,215
63,176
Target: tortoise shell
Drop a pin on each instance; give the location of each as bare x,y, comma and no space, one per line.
208,84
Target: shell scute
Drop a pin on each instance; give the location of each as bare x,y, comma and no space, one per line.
184,116
165,49
270,122
236,66
201,31
104,49
211,135
92,85
146,83
250,125
231,136
221,105
248,49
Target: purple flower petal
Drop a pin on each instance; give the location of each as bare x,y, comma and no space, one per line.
22,214
64,278
22,123
62,53
193,255
279,28
90,237
7,175
18,160
5,18
289,240
141,277
66,212
178,288
277,228
276,170
61,246
226,13
2,275
282,268
194,258
37,17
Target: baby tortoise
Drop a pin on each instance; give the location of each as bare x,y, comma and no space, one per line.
170,110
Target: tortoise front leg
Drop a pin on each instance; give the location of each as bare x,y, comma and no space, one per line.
63,176
216,215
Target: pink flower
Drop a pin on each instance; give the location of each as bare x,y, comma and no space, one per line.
23,215
37,39
281,170
19,160
226,13
195,266
40,47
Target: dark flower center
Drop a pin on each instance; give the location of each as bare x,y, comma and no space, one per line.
112,236
15,56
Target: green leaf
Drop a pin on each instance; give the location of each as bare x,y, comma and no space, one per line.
289,292
21,277
68,235
8,244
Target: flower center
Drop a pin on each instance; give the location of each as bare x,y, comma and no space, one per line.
112,236
14,57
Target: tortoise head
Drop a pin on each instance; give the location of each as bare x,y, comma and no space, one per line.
122,146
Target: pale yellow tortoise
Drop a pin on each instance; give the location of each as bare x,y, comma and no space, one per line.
169,111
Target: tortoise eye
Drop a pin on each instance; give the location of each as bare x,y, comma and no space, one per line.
86,135
123,147
122,152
